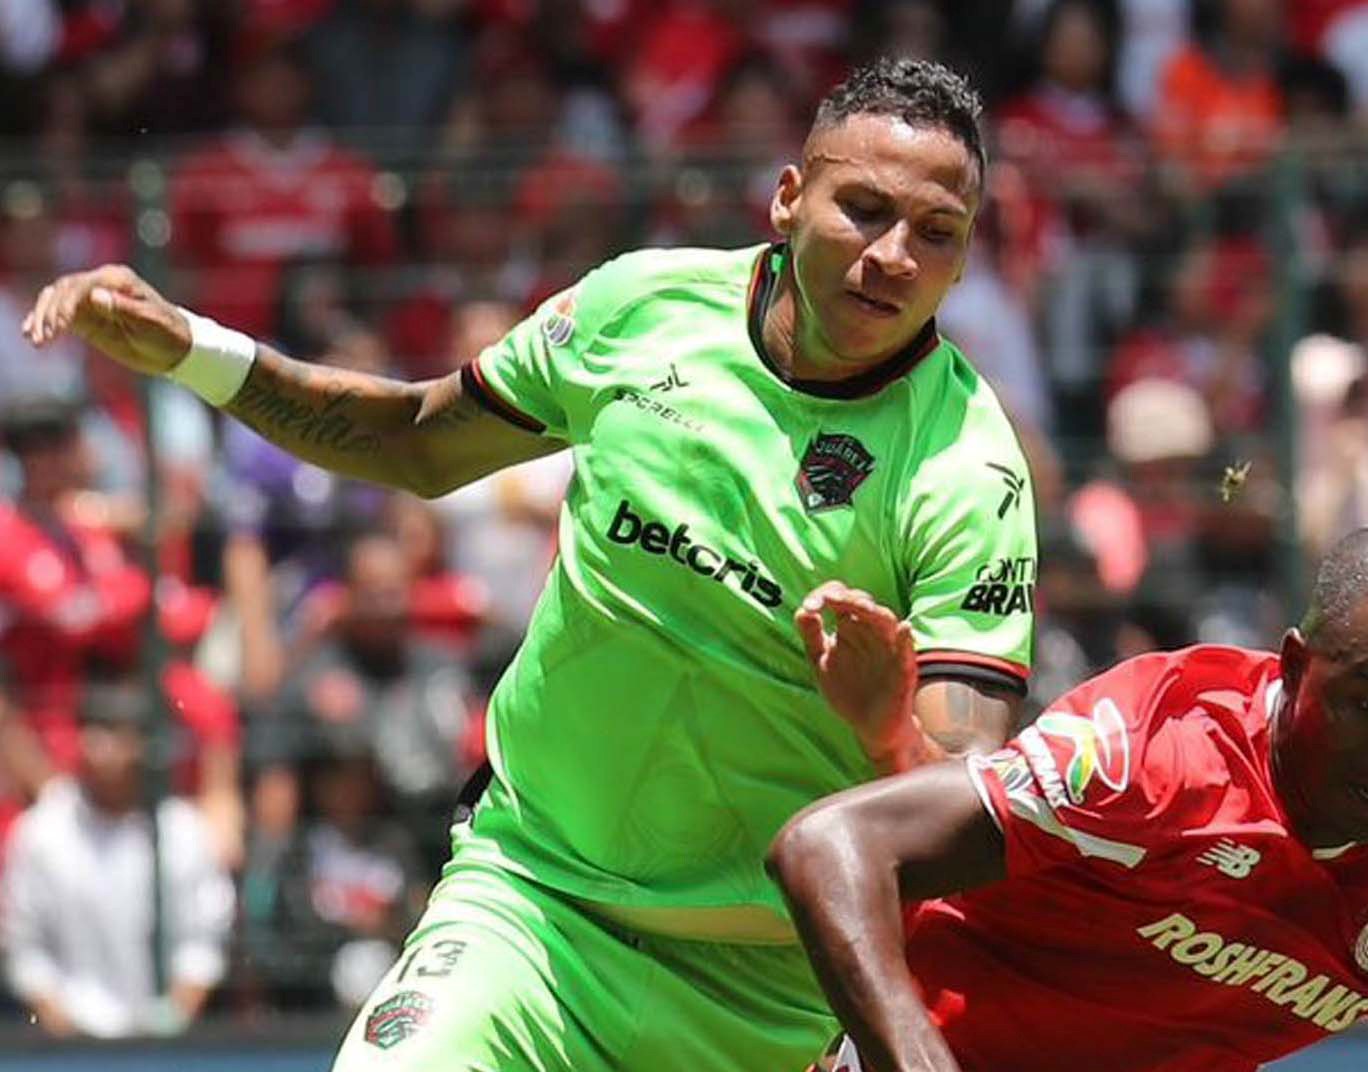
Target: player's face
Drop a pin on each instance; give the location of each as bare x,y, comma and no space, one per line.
1321,736
879,219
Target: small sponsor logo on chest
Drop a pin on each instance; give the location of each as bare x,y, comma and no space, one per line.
1231,859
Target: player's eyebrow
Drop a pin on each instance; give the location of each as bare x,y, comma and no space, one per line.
866,184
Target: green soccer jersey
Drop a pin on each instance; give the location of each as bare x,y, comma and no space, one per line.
661,722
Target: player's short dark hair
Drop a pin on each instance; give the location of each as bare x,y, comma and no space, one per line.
1341,583
919,92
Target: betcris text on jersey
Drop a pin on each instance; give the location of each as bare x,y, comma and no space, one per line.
656,538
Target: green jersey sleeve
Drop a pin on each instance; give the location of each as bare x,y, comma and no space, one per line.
540,375
972,557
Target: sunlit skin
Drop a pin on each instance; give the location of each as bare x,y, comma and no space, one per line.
1320,733
879,218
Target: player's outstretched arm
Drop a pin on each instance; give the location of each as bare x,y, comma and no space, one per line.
424,437
846,865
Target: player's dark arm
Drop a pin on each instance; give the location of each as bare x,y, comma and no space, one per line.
422,437
964,717
847,864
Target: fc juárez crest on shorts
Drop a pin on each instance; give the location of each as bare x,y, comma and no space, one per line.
398,1018
833,466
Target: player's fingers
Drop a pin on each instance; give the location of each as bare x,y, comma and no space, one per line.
812,632
824,593
852,597
67,294
879,619
42,307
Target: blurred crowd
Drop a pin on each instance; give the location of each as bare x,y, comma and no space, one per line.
1169,287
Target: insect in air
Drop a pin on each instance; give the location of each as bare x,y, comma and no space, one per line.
1233,480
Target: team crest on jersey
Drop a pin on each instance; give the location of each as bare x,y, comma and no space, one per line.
1361,949
1100,748
559,325
833,466
399,1018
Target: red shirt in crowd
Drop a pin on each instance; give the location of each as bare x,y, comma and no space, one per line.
1159,914
244,211
67,594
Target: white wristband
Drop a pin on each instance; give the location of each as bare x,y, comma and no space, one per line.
218,362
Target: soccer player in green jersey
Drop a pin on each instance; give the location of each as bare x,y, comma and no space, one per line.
745,423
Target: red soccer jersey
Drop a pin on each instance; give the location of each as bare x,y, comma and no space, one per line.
1158,913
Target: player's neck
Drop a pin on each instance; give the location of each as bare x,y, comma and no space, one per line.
794,343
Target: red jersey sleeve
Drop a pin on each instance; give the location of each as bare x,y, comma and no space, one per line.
1101,774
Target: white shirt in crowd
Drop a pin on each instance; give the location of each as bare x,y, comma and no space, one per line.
76,912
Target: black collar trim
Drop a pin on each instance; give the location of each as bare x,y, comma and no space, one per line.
769,267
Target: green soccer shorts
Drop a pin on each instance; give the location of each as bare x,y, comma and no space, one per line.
502,975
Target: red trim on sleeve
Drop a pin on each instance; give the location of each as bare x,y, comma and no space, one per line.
973,658
475,384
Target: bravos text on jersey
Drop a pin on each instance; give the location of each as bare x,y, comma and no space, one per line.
656,538
1003,586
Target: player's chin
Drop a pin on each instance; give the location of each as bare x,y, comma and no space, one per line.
865,341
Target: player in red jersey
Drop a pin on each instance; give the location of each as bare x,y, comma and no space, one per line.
1168,871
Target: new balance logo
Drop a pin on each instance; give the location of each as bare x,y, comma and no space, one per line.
1015,486
670,382
1236,861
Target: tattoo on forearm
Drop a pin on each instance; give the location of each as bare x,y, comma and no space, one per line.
273,414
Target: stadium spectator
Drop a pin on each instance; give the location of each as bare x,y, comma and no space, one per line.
371,679
76,924
1219,305
1188,827
159,73
325,910
718,179
1082,164
682,56
68,591
271,192
413,63
72,600
28,252
1151,33
1220,112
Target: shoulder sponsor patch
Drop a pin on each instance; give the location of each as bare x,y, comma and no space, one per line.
1099,747
398,1018
559,326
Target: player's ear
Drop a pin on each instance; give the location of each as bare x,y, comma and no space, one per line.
1293,657
784,204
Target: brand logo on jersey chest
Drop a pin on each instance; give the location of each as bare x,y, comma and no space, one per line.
833,467
1231,859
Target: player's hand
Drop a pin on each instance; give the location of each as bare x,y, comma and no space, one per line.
115,311
867,670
